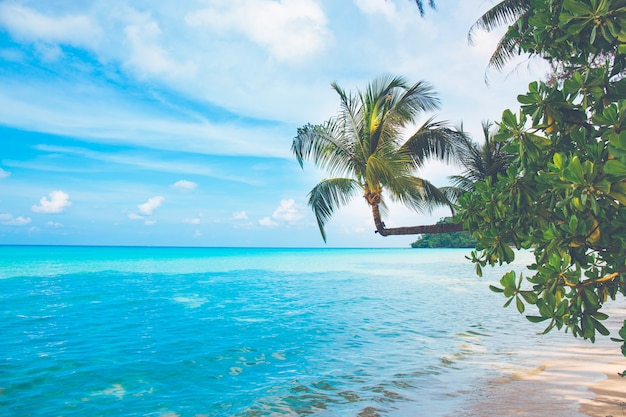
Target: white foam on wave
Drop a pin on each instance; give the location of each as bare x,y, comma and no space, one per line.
193,301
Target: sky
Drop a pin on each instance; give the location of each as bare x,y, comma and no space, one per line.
169,123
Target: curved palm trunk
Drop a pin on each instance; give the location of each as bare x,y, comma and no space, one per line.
410,230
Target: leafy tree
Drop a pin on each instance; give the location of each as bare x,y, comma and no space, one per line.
363,152
445,240
564,193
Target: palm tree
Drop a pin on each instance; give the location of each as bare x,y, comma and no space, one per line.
507,12
362,151
481,162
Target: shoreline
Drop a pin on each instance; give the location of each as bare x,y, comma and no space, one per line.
571,378
609,394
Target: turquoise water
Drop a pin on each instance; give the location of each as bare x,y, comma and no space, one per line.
94,331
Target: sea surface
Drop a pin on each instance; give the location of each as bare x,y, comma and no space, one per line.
127,331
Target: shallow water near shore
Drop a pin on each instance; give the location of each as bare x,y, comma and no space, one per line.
256,332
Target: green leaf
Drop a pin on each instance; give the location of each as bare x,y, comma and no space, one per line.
508,280
529,296
622,331
600,328
588,327
496,289
520,305
577,8
619,141
615,167
574,171
557,159
537,319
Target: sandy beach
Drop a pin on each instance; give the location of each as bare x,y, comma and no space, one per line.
575,380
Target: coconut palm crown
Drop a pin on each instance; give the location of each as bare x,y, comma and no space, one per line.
480,162
363,152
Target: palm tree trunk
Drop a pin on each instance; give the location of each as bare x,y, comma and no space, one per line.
411,230
419,230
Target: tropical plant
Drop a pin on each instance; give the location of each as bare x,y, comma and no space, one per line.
551,42
479,161
564,194
363,151
513,12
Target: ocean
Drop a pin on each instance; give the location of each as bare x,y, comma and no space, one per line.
167,332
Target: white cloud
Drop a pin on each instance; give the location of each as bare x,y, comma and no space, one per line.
3,173
184,185
152,204
147,56
149,222
54,224
192,221
30,25
386,8
9,220
288,211
291,30
197,234
58,201
239,215
134,216
268,222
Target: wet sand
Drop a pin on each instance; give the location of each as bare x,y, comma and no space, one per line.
575,379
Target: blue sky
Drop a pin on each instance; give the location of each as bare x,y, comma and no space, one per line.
169,123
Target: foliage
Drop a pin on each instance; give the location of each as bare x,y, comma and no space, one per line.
564,194
363,151
445,240
479,162
420,5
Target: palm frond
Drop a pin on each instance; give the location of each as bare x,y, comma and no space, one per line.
326,146
420,5
433,140
385,165
417,193
506,49
329,195
452,193
503,13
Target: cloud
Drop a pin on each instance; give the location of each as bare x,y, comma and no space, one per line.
147,56
54,224
267,222
3,173
291,30
240,215
184,185
192,221
386,8
288,211
58,202
9,220
149,206
149,222
30,25
135,216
